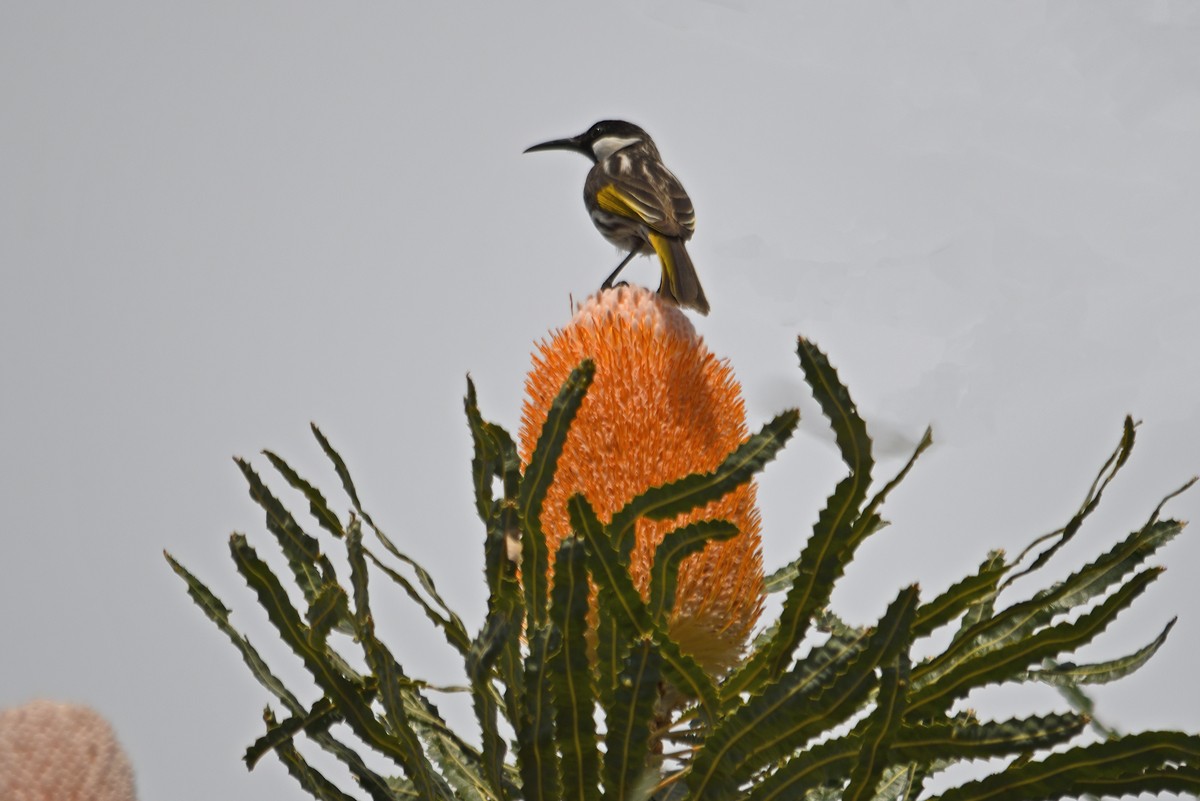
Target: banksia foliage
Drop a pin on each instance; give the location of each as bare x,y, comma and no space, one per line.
61,752
660,408
621,558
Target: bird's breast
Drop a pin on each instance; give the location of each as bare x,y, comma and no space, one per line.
623,232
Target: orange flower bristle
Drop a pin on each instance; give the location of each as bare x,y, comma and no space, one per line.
660,407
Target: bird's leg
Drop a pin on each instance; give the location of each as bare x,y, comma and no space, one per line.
608,282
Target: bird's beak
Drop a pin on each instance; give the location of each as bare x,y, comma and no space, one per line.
574,143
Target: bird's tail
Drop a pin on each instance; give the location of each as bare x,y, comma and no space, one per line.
679,280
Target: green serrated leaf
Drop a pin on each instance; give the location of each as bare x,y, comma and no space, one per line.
538,476
404,744
309,778
329,607
274,600
615,634
842,525
869,521
317,505
448,620
881,727
771,726
674,548
218,613
485,461
699,489
627,740
339,467
1100,672
571,675
303,552
826,764
1097,577
1127,765
450,625
502,450
899,783
435,608
979,613
1183,782
824,663
781,579
817,568
537,756
961,596
956,740
343,692
460,764
321,716
830,623
992,631
1187,485
1001,664
619,599
1065,534
481,658
934,746
834,399
506,607
496,455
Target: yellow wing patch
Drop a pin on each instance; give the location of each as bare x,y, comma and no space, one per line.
614,201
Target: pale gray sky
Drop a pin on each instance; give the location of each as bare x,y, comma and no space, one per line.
219,221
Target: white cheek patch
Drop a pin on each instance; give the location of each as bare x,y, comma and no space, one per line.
605,146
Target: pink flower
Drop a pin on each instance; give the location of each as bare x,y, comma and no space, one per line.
61,752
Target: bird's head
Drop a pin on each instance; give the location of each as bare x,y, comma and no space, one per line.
600,141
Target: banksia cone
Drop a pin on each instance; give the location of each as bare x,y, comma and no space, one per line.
61,752
661,407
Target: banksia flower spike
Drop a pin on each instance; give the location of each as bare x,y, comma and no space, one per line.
61,752
634,474
661,407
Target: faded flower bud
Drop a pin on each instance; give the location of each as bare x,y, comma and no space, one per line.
61,752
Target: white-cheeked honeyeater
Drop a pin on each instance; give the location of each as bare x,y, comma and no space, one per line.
638,204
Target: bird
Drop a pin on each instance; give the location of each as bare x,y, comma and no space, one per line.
637,204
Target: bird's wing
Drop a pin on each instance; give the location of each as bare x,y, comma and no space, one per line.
652,195
681,204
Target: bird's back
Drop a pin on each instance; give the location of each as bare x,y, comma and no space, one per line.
647,190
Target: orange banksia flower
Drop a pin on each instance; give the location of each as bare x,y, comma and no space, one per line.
660,407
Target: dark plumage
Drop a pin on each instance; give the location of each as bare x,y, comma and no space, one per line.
638,204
